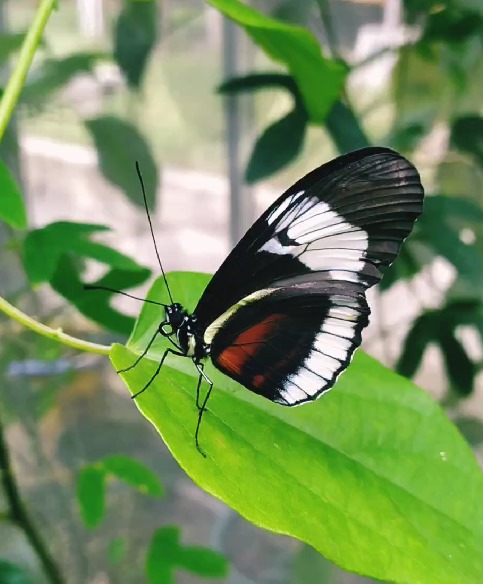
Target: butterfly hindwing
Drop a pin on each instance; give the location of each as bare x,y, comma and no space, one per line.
289,344
344,221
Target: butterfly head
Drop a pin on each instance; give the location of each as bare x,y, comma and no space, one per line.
184,327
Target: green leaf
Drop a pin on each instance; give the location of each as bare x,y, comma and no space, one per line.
117,550
257,81
461,370
91,495
440,232
467,136
310,566
345,129
159,561
119,145
134,39
320,80
55,253
42,248
93,303
10,43
279,145
439,326
12,208
347,474
471,428
13,574
133,473
54,74
166,554
202,561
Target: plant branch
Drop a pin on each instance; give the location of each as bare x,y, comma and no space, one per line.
328,23
19,515
17,79
54,334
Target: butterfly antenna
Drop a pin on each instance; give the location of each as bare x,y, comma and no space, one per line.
138,170
107,289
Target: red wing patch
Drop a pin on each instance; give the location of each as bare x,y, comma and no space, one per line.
247,343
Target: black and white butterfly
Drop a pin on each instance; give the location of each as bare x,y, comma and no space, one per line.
284,313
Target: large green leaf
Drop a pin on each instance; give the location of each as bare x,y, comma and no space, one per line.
373,475
119,145
135,38
320,80
12,208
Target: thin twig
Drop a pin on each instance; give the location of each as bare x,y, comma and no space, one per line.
18,513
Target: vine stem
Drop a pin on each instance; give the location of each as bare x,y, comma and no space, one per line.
17,79
18,513
50,333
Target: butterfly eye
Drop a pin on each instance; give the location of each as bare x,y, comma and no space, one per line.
166,329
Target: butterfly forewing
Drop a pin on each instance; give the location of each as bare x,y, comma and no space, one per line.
343,221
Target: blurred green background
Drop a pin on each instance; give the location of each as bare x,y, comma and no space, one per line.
117,81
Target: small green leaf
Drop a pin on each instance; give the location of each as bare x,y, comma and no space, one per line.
257,81
160,558
344,128
12,208
166,554
53,75
117,550
134,473
471,428
134,39
461,370
279,144
467,136
119,145
13,574
347,474
95,304
91,495
43,247
320,80
10,43
310,566
202,561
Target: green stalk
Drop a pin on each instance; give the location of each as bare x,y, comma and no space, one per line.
54,334
27,52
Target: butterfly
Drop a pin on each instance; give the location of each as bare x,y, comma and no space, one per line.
284,313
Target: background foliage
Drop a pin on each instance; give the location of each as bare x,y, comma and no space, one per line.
434,96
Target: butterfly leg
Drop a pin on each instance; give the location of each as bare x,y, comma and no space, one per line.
201,411
200,367
144,353
156,373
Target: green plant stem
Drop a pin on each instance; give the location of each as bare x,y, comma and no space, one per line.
328,23
54,334
17,79
19,515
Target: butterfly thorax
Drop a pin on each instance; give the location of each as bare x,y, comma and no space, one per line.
186,331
